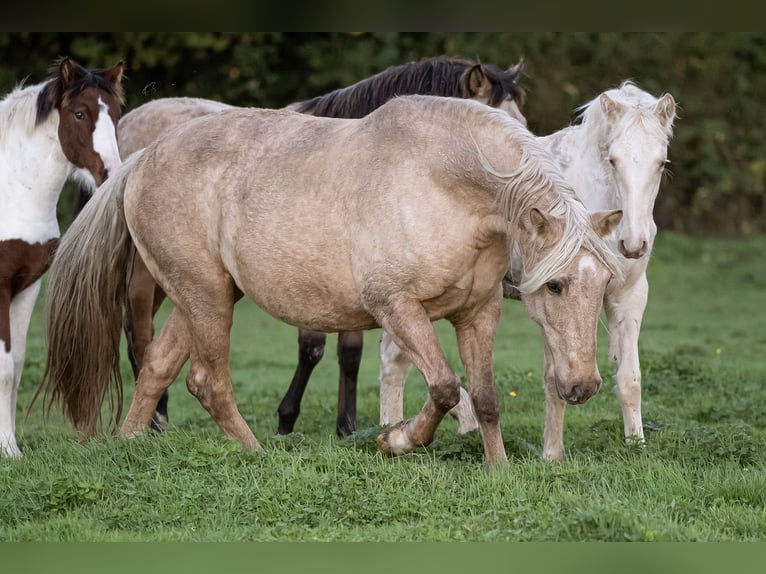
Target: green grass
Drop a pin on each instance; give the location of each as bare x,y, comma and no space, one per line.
700,476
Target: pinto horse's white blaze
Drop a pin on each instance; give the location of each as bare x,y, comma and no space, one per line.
49,132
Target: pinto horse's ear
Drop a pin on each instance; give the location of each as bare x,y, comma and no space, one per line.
611,108
478,83
666,110
115,74
604,222
67,72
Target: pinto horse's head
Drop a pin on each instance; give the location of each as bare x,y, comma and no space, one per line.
89,103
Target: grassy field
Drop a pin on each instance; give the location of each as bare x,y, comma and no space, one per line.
700,477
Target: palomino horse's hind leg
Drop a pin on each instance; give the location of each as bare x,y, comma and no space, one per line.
349,356
553,434
394,368
310,351
412,330
163,361
475,339
624,314
143,301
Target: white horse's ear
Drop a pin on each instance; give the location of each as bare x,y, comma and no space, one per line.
666,110
604,222
611,108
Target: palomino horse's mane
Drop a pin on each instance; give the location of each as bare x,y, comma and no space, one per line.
536,175
639,108
438,76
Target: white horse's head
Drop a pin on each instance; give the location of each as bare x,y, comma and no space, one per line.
634,129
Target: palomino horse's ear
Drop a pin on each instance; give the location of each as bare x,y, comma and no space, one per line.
478,82
666,110
604,222
542,228
612,109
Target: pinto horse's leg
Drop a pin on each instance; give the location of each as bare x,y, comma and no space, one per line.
475,339
143,301
624,312
350,345
394,368
310,351
553,434
411,329
16,315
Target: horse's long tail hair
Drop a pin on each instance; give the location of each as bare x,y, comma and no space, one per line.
85,298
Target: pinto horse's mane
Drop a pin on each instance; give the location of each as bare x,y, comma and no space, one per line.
438,76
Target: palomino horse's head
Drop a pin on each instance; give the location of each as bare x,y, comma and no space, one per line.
493,86
89,103
635,129
568,304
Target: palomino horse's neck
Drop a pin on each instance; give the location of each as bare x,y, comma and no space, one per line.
31,173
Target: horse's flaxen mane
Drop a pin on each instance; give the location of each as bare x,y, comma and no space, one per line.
439,76
528,186
56,89
639,107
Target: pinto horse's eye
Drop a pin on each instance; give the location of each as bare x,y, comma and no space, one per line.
554,287
79,115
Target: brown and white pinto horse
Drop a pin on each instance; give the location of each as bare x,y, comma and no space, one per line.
63,128
439,76
416,208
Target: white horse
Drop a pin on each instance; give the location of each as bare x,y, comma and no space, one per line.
614,159
63,128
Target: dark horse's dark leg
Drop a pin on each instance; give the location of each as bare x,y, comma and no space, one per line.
310,351
349,356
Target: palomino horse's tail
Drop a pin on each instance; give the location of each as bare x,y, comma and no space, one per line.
85,298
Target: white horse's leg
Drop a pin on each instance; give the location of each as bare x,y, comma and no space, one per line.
624,311
12,364
553,435
394,368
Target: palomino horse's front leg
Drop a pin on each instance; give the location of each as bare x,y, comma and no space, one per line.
475,339
624,311
410,327
553,434
394,368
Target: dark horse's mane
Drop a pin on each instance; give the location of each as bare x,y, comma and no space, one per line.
439,76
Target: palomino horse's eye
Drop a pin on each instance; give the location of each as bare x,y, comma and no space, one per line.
79,115
554,287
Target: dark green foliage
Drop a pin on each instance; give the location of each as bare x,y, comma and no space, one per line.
718,152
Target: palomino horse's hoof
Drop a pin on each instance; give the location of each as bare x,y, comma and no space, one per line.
394,440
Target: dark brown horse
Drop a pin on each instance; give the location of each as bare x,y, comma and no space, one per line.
440,76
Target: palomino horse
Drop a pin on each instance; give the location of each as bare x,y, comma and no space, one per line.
614,158
60,129
416,209
439,76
